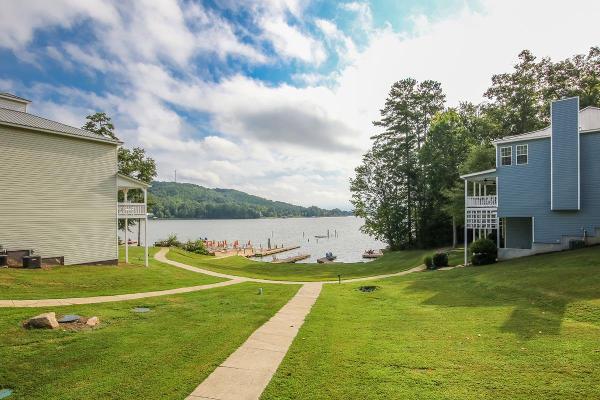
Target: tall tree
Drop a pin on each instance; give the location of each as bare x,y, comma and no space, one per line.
517,101
101,124
440,157
394,163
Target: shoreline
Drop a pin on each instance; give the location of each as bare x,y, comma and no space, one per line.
245,219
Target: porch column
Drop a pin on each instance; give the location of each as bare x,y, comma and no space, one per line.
497,218
466,229
485,230
126,228
146,228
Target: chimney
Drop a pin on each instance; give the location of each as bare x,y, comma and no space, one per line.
12,102
565,174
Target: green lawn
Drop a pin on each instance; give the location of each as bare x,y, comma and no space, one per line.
163,354
391,262
526,329
97,280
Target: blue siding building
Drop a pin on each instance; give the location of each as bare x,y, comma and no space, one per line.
545,189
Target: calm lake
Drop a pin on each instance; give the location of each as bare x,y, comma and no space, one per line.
348,246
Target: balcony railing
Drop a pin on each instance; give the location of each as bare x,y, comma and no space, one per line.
482,201
131,210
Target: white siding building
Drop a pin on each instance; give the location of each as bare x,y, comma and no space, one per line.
59,188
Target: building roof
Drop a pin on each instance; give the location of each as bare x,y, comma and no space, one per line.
14,98
480,175
589,121
21,119
127,182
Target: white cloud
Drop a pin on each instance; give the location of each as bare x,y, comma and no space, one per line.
290,42
20,19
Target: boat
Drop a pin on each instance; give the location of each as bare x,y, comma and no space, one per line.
372,254
329,258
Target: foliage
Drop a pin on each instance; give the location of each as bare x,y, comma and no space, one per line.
101,124
195,246
521,99
440,259
186,200
483,251
386,189
171,241
428,261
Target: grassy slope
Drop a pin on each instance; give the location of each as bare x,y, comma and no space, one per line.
84,281
525,329
241,266
163,354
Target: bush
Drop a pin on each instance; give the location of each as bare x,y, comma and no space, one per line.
440,260
428,261
576,244
483,251
171,241
195,246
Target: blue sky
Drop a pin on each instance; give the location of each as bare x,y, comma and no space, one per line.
273,97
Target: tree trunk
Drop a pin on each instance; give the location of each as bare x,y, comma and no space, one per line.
139,231
453,232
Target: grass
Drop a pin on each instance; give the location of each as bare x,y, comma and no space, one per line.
163,354
524,329
97,280
391,262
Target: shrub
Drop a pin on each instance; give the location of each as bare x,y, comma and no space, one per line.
195,246
483,251
440,260
576,244
428,261
171,241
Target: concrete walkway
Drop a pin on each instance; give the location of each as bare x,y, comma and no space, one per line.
107,299
245,374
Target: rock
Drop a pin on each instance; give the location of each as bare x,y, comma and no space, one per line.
43,321
92,321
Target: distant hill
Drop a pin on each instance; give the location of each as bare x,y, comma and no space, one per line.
186,200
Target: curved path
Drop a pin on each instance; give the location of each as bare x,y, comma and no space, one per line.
161,256
107,299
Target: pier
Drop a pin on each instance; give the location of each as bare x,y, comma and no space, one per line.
292,259
268,252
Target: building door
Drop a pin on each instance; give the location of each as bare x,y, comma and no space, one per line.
519,233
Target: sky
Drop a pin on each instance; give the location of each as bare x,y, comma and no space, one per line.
272,97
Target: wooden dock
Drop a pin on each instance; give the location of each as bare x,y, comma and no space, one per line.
268,252
325,260
374,254
292,259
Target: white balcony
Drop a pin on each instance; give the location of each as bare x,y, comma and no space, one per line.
482,202
131,210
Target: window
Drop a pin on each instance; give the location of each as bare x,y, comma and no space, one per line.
506,155
522,150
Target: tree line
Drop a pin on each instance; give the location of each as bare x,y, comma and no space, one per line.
187,200
407,187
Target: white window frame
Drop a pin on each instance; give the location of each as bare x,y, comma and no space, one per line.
503,156
526,154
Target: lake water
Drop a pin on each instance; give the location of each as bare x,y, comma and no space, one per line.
348,245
